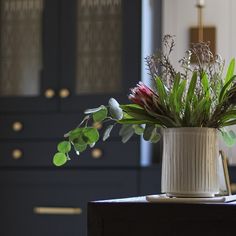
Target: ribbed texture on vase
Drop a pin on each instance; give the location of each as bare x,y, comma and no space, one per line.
190,165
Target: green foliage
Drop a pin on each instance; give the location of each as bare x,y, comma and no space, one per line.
198,96
100,115
64,147
115,110
59,159
107,132
161,91
230,71
229,137
138,129
126,132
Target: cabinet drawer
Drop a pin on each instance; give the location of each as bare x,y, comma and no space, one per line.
37,125
35,202
43,126
40,154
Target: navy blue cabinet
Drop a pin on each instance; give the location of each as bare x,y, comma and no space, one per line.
58,57
54,202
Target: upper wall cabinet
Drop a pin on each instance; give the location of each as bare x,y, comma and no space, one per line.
28,55
58,55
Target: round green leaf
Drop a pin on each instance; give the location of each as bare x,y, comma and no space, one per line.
80,148
75,133
147,134
91,134
126,132
138,129
64,147
93,110
107,132
155,137
59,159
100,115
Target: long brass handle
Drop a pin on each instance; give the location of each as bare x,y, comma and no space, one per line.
57,210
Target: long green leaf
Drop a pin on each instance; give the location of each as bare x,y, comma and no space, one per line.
200,113
191,88
226,86
228,123
189,98
137,112
164,120
179,96
205,84
135,121
127,106
161,91
230,71
227,116
173,94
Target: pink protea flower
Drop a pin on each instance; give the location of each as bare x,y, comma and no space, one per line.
142,95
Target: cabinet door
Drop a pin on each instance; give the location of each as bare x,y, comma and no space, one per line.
100,51
28,55
45,203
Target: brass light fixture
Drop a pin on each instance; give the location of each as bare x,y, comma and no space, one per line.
201,32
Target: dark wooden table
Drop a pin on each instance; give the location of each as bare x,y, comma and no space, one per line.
137,217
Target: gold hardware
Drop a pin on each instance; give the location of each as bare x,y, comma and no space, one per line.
96,153
233,187
17,154
49,93
64,93
17,126
97,125
57,210
200,7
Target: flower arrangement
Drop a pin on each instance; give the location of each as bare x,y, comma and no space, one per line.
197,96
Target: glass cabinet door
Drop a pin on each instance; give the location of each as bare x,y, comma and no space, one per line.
21,47
23,39
101,51
98,47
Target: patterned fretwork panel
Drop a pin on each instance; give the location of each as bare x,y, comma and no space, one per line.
99,44
20,47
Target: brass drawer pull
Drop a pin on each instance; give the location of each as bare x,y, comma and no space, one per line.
96,153
17,154
17,126
57,210
49,93
64,93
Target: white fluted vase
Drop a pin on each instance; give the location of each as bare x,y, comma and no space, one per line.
190,164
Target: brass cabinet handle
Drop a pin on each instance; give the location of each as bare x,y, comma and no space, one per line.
17,154
17,126
57,210
233,187
49,93
96,153
64,93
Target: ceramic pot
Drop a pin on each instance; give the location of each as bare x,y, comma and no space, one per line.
190,162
